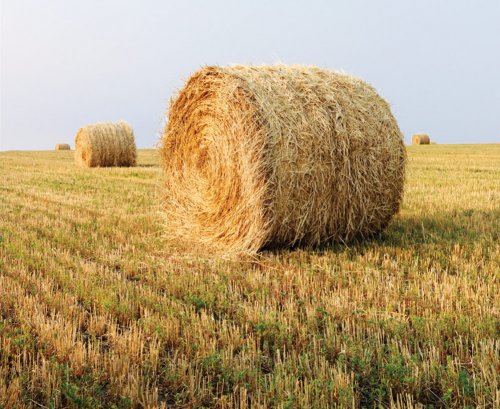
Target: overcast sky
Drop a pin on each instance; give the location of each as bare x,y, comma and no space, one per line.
68,63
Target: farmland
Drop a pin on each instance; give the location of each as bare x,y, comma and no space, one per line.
96,310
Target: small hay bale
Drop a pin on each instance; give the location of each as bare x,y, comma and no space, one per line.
279,156
420,139
62,147
105,144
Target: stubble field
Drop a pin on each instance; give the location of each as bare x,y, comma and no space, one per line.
97,311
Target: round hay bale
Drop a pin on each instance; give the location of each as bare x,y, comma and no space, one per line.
62,147
420,139
278,156
105,144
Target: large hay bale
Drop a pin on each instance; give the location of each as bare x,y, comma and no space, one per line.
277,156
62,147
105,144
420,139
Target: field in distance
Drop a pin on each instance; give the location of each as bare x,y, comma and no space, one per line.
97,311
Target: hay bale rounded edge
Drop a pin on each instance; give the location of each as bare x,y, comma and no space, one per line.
420,139
105,144
62,147
276,156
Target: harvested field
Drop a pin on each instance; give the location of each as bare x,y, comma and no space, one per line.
96,311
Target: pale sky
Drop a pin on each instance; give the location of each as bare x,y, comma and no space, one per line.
68,63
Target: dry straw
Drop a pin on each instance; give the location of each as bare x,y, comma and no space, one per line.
278,156
105,144
62,147
420,139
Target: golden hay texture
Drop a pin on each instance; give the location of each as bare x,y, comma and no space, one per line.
105,144
420,139
277,156
62,147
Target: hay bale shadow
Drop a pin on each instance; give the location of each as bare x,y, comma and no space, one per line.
463,227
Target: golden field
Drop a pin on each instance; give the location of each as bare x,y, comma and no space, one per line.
96,311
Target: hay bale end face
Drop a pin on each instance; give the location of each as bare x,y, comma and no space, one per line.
420,139
62,147
278,156
105,144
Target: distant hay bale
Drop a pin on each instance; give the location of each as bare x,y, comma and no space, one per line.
105,144
278,156
62,147
420,139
